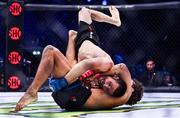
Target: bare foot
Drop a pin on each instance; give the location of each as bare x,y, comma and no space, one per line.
72,34
115,15
25,100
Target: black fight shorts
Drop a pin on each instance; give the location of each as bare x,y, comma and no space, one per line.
86,32
72,99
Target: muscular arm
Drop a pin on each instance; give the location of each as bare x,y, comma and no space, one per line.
116,69
99,64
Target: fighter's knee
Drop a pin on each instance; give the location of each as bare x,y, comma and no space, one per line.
48,49
84,11
48,57
72,32
85,15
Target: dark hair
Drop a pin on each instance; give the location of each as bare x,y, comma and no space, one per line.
121,89
136,94
150,59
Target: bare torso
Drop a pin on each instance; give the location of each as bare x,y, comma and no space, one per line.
100,100
90,50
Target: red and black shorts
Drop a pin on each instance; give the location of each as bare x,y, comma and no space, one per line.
86,32
73,97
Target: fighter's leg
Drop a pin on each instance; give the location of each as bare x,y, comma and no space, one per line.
101,17
52,60
70,52
61,64
85,15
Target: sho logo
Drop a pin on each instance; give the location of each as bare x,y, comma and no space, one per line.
15,33
15,9
14,57
14,82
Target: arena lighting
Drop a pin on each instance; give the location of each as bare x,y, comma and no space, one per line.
36,52
14,82
104,2
88,0
14,57
15,33
15,9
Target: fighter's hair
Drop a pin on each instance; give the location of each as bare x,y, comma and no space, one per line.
136,94
121,89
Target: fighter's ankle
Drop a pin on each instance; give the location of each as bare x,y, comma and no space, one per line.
31,92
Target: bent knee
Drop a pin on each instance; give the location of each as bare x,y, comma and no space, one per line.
49,49
85,15
84,11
